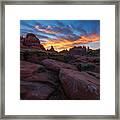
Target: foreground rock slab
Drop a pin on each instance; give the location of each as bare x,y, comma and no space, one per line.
31,72
56,65
35,91
97,75
79,85
27,69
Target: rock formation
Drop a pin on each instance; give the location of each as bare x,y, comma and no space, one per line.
31,41
79,85
81,50
52,50
56,65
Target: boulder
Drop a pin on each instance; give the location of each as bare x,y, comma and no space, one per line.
56,65
37,73
27,69
31,41
79,85
35,91
43,77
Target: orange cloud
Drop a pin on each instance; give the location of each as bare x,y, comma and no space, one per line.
47,31
62,44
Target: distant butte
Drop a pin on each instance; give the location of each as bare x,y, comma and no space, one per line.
30,41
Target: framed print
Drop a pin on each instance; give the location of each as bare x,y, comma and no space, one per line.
60,59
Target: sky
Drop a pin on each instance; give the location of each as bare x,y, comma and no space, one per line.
63,34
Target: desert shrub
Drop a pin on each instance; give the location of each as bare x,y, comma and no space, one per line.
86,67
60,57
67,58
94,53
96,60
41,53
26,55
33,56
56,57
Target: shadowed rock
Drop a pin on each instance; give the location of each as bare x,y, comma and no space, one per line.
27,69
35,91
97,75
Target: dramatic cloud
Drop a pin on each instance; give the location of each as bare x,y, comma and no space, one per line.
62,30
70,37
54,30
46,31
42,36
67,44
82,31
63,34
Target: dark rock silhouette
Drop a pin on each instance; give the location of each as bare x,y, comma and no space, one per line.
64,51
52,50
